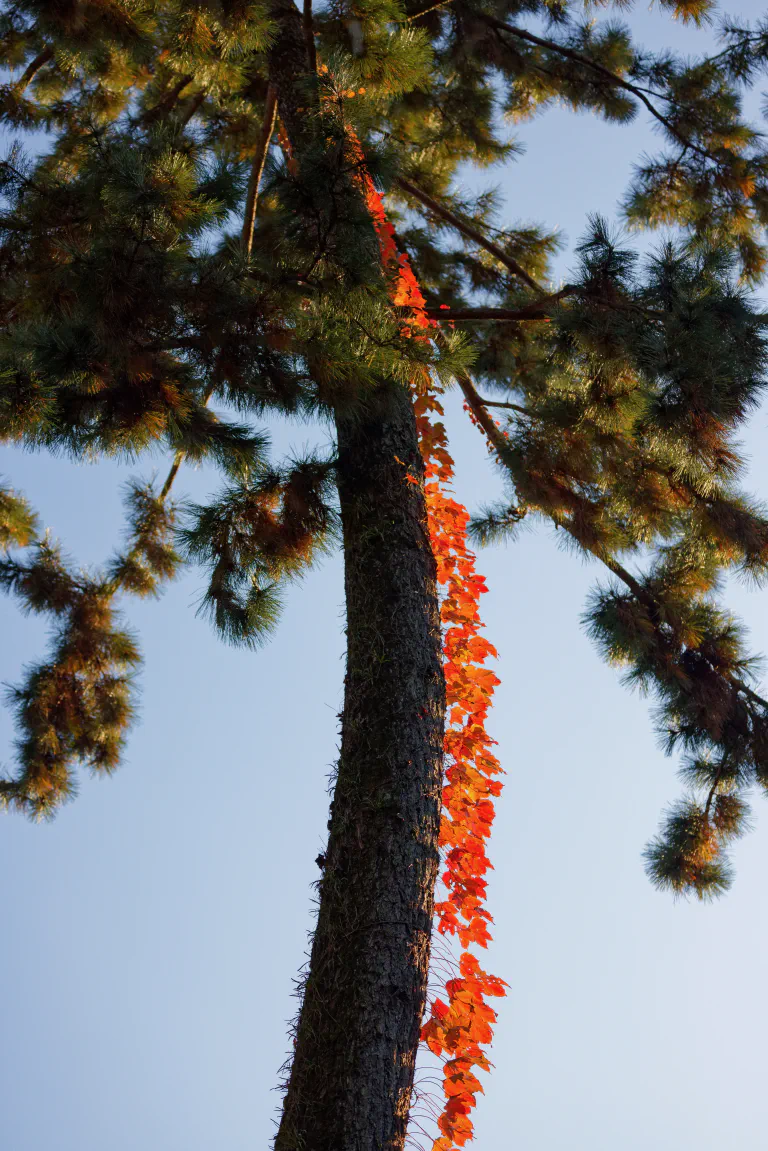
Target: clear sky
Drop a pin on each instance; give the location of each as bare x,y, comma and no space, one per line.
151,934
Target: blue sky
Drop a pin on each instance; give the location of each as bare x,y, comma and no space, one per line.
152,932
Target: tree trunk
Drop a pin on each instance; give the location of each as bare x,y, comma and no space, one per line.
350,1083
349,1086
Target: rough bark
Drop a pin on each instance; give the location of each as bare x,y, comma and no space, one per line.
290,71
351,1075
352,1072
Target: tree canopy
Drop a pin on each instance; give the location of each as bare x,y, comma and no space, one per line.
186,246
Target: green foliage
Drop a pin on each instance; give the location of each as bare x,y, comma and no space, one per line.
76,706
254,538
150,557
134,315
687,856
710,176
497,524
18,523
131,317
97,269
621,432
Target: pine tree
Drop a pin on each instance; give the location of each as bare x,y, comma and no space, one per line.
186,246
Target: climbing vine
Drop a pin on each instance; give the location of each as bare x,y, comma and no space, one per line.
459,1027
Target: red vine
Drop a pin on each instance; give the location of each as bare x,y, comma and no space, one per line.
459,1026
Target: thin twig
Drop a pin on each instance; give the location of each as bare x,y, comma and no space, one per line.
257,168
507,404
599,69
748,692
713,789
425,11
178,459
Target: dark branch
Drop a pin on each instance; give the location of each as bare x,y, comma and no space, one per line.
537,311
498,441
471,232
178,459
174,471
598,69
164,106
507,404
309,34
194,105
32,69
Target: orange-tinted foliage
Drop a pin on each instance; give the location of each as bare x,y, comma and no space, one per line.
458,1028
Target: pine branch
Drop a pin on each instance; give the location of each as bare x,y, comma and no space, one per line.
32,69
194,106
165,105
477,406
746,38
537,311
749,693
22,179
599,69
712,790
471,232
498,441
174,471
506,404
